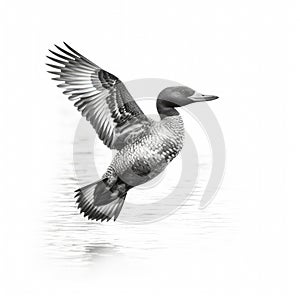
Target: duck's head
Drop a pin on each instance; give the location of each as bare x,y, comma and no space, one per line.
182,95
179,96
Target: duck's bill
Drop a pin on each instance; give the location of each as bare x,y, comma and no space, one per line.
197,97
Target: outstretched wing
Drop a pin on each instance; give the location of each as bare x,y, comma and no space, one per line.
100,97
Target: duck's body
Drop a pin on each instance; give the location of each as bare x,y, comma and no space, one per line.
144,147
150,153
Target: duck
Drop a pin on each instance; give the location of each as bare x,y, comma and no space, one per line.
143,147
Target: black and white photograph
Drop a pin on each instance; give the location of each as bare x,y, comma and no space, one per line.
149,149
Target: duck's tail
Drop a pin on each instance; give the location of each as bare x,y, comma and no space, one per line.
101,201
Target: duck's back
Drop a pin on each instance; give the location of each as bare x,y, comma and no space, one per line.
150,153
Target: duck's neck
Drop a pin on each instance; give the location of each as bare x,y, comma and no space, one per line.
165,109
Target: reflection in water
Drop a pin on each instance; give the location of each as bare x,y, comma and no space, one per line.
72,240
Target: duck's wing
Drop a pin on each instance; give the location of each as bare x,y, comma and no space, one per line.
100,97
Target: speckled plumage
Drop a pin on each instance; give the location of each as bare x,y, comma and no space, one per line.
149,154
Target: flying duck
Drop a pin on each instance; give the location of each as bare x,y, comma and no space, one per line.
144,147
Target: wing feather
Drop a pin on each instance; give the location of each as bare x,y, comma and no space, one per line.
99,95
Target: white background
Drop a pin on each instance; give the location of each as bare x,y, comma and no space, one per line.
246,52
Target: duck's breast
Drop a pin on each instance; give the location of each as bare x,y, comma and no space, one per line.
148,156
